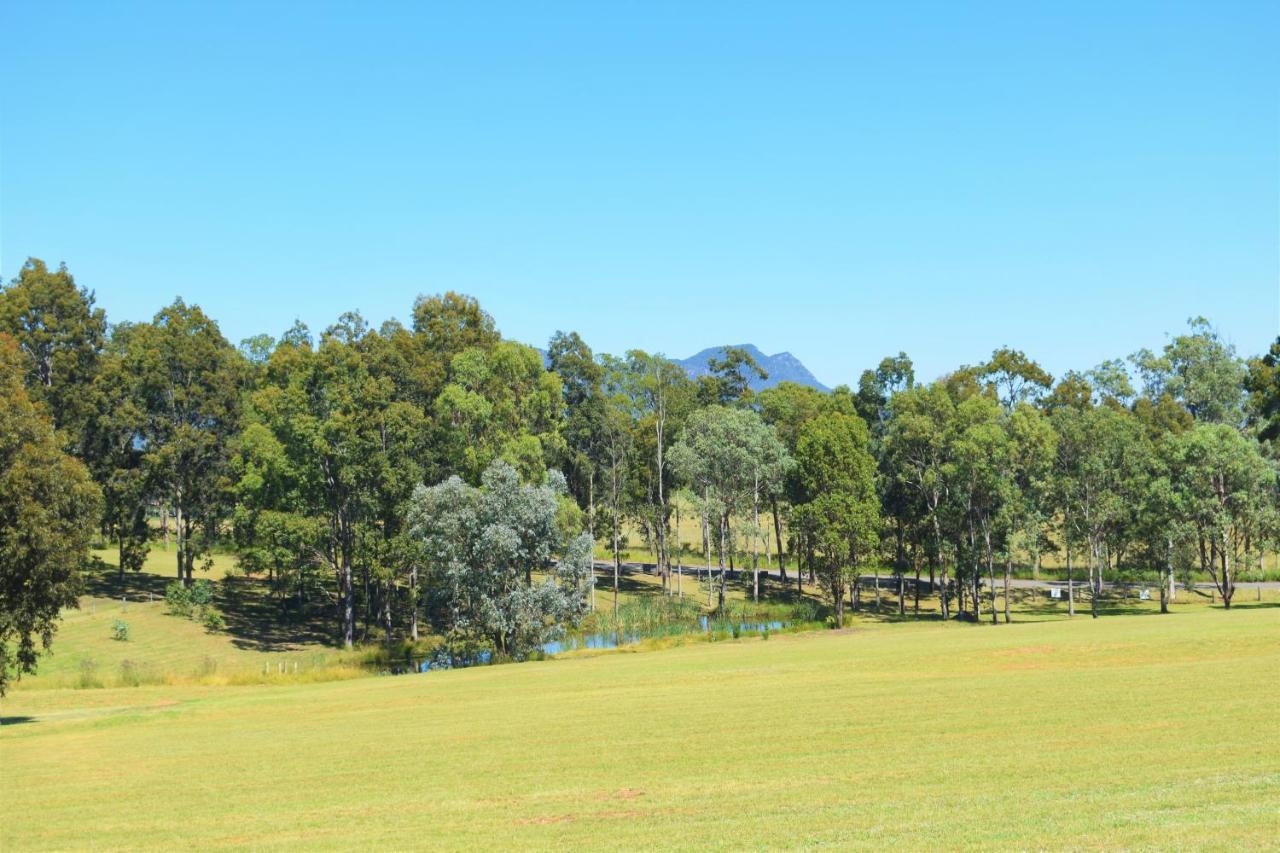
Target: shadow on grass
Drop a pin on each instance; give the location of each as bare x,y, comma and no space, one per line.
259,622
255,619
16,720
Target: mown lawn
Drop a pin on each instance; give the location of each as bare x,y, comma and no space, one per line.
1133,731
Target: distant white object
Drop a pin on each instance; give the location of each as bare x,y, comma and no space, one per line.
1145,595
1054,592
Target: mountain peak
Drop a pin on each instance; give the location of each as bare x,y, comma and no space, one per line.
781,367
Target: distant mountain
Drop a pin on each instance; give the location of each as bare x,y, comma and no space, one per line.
781,367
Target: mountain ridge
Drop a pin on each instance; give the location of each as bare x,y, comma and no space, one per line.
781,367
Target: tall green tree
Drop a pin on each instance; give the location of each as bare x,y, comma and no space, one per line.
48,504
787,407
1199,370
661,395
981,485
841,513
118,451
1103,461
1263,383
920,453
580,377
60,335
1226,490
725,454
186,378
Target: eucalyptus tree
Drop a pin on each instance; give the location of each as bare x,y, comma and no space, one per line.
661,395
580,376
117,451
841,513
60,336
484,545
980,476
877,387
48,505
729,377
726,454
445,325
275,533
787,407
1263,383
1014,377
1103,461
1032,451
337,439
499,402
920,453
1226,490
186,379
1199,370
617,429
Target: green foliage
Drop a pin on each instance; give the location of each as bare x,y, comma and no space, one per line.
48,505
839,514
194,602
485,543
119,630
1199,370
60,335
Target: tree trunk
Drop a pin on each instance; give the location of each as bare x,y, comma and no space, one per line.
1228,583
348,604
1093,577
777,533
617,562
838,594
706,543
679,554
1071,585
942,568
413,602
755,541
386,611
915,558
724,525
1008,574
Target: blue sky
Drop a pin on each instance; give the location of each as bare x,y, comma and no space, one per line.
839,180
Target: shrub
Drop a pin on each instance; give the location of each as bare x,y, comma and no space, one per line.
177,597
119,630
201,593
213,620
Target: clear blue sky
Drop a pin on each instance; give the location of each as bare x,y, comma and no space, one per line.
839,180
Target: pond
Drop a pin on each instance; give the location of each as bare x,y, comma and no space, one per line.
573,642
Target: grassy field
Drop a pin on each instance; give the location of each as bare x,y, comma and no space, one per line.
161,648
1137,731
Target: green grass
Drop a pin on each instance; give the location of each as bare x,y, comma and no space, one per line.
1137,731
161,648
165,562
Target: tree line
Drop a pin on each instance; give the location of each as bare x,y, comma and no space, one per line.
436,471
